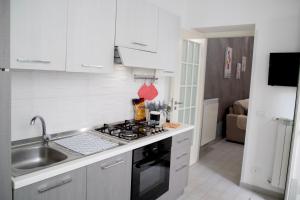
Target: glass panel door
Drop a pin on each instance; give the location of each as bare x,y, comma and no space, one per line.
188,82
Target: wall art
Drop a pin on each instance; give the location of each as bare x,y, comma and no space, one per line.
228,62
244,63
238,70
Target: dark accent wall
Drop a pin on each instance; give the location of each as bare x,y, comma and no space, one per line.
216,86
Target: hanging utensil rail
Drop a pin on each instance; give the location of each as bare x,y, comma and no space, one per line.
145,77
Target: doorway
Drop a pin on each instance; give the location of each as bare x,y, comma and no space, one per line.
226,100
267,182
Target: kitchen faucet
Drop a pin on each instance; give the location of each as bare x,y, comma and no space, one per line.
46,137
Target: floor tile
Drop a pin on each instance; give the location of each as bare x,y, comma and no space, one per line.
217,174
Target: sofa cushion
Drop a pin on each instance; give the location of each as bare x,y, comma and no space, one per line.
241,122
241,107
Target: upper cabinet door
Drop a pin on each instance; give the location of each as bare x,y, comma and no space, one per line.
38,34
137,25
168,41
91,34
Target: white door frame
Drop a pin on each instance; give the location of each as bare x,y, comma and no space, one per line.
195,150
292,183
193,36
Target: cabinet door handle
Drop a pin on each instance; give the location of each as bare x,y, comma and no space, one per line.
180,141
92,66
140,44
112,165
53,185
33,61
182,155
181,168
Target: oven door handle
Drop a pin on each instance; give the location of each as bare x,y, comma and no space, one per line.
142,164
151,162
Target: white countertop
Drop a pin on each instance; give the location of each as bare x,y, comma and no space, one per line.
40,175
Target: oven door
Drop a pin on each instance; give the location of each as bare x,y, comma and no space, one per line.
150,176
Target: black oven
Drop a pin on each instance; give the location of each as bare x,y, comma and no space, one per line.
151,170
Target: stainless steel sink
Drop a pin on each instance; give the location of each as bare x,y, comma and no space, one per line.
31,155
30,158
37,156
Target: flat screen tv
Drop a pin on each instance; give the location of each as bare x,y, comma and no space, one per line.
284,69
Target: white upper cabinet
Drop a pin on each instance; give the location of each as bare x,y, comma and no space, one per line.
137,25
168,41
80,35
38,34
91,34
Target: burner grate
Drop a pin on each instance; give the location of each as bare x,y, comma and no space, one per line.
130,130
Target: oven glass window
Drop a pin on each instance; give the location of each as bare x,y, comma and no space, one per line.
151,178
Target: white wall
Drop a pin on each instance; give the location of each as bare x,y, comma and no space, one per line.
176,7
70,101
277,29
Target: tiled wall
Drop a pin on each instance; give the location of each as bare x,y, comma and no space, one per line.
71,101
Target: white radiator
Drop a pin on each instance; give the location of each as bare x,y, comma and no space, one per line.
209,122
281,157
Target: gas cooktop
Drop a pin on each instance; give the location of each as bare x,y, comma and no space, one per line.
131,130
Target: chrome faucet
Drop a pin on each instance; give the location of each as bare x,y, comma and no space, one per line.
46,137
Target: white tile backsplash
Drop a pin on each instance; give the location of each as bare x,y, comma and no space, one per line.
69,101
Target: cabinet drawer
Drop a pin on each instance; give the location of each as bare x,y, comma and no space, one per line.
68,186
183,139
178,179
115,162
181,156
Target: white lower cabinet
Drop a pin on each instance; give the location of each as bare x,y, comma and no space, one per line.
68,186
106,180
179,171
110,179
180,160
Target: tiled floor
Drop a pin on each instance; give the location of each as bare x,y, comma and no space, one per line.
216,176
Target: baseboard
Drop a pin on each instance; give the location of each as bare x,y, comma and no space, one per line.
263,191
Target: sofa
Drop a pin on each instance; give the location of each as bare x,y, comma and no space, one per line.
236,121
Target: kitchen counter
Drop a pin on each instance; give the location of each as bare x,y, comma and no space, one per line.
28,179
